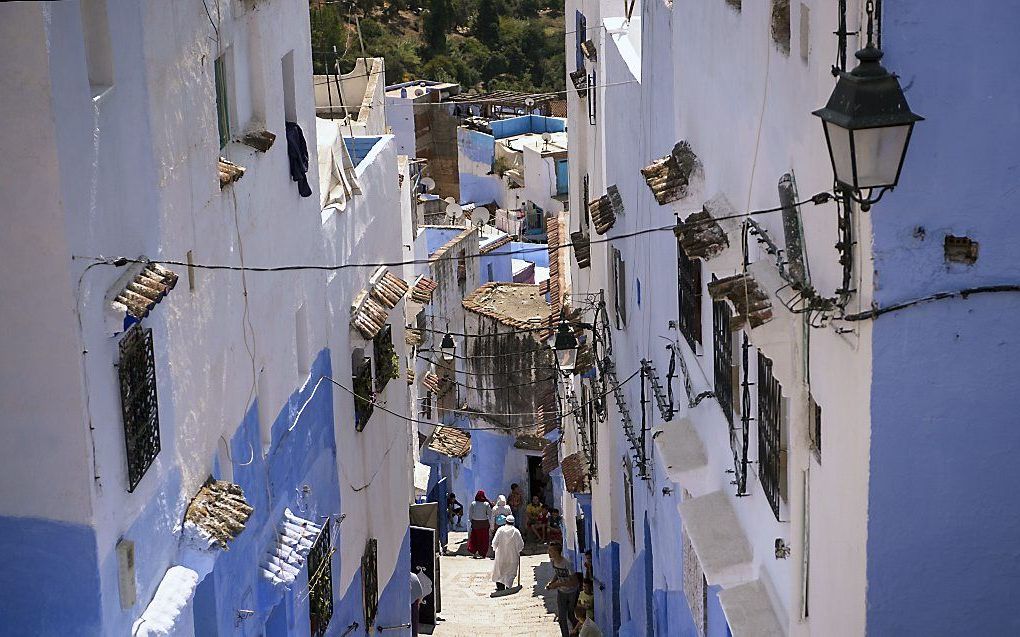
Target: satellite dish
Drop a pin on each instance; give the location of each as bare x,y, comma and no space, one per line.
418,92
450,200
428,184
480,216
546,137
529,102
454,211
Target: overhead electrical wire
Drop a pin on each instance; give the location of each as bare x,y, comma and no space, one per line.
820,198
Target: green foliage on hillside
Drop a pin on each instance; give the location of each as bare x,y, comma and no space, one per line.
481,44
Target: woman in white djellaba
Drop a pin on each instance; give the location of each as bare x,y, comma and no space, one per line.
507,544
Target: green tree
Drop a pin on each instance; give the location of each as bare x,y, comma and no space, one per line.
436,23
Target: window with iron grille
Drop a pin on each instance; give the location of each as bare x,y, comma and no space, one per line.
770,397
364,396
462,271
320,582
370,580
586,197
815,426
628,496
426,405
689,296
387,365
620,286
722,348
139,406
580,35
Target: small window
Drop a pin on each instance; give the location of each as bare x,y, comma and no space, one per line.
426,405
770,435
562,177
781,25
222,100
98,51
488,273
689,291
620,288
289,92
815,427
734,4
805,31
387,364
320,582
364,394
462,271
139,405
370,580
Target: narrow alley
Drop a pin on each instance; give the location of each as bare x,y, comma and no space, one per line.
468,610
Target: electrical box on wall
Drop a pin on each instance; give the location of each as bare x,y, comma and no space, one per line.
126,572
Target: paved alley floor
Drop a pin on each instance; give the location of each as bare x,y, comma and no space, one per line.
468,610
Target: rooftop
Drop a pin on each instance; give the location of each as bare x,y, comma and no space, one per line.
519,305
557,142
417,88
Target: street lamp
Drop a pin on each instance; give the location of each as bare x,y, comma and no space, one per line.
564,344
867,125
448,347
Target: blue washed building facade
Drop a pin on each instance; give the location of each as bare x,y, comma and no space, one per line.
808,464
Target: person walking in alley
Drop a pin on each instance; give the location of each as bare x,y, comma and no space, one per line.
564,582
500,508
516,502
478,514
508,544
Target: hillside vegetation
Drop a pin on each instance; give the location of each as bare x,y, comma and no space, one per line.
481,44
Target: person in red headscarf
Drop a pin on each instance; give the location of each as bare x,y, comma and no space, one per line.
478,514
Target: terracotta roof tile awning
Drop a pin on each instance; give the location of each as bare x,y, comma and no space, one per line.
670,176
218,512
283,561
750,302
140,288
451,442
229,172
371,307
431,382
548,413
575,472
518,305
605,209
498,243
413,336
421,291
582,248
701,236
550,457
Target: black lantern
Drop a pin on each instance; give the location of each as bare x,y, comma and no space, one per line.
448,347
564,343
867,126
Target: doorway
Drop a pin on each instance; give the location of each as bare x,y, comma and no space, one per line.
536,479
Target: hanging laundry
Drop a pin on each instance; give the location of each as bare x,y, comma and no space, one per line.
297,151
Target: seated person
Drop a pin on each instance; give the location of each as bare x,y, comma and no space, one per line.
454,509
554,526
537,518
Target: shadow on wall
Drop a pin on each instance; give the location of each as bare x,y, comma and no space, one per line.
543,573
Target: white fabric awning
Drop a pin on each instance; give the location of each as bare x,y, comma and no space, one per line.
718,539
285,558
749,611
683,454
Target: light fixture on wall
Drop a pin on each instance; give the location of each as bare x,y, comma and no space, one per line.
448,347
867,125
564,344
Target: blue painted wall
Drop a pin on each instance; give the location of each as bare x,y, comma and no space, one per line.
537,253
502,264
527,124
359,147
50,583
475,154
436,237
942,553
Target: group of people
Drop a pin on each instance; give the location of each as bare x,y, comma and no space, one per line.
499,525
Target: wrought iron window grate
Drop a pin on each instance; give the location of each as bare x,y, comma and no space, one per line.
139,405
722,347
370,580
320,582
664,406
688,273
770,394
387,365
364,396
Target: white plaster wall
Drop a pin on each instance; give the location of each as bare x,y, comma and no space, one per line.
373,464
40,386
400,122
673,92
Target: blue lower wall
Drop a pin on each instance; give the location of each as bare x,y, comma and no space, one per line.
50,583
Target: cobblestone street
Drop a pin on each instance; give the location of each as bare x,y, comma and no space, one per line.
469,611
